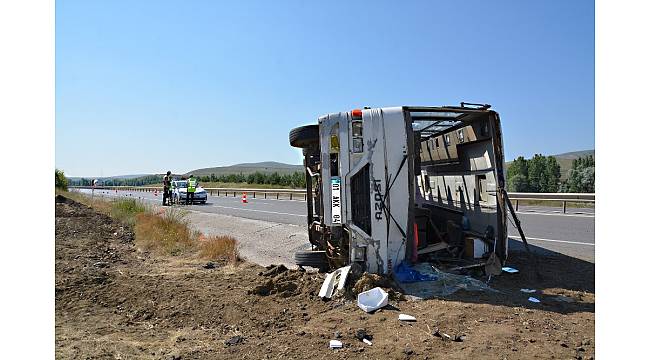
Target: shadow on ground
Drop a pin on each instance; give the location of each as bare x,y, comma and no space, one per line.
562,283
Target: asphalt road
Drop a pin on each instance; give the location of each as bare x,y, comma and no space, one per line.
547,229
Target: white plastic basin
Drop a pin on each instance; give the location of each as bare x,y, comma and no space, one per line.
372,299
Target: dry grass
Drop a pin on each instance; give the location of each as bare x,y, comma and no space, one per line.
216,247
162,230
167,232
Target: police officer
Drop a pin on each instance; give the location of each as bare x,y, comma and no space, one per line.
167,189
171,193
191,189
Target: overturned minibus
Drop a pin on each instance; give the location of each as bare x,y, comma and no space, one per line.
409,183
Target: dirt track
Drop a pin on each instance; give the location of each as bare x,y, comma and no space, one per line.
114,302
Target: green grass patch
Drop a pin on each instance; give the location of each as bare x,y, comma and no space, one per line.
126,210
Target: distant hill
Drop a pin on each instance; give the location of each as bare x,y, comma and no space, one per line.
566,160
575,154
248,168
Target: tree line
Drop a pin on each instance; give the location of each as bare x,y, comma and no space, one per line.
294,180
138,181
581,177
542,174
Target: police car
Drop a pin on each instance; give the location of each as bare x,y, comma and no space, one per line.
179,193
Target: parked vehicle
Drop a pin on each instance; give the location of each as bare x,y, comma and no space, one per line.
179,193
406,183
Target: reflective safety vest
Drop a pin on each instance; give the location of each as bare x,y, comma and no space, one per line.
191,185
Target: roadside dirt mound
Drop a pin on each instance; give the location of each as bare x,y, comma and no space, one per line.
287,283
115,302
371,281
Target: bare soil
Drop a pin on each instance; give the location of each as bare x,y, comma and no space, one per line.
116,302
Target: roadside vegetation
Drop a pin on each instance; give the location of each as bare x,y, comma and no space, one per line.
60,181
542,174
235,185
258,180
216,247
161,231
167,232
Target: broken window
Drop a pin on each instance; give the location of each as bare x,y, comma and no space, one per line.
360,193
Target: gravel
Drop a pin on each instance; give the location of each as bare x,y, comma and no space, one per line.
261,242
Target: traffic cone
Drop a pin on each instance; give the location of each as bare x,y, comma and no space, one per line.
243,198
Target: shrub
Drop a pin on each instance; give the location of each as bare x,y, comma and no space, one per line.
217,247
60,180
168,233
125,210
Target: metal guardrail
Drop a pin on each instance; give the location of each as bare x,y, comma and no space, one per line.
564,198
301,194
291,194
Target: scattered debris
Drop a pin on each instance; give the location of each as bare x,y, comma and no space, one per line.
372,299
209,265
528,291
406,274
362,335
337,279
534,300
459,338
408,351
493,265
405,317
509,270
335,344
565,299
446,284
234,340
367,342
445,337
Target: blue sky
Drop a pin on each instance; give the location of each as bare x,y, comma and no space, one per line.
146,86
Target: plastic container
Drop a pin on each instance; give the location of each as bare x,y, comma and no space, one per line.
372,299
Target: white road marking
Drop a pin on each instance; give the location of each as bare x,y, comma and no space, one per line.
550,240
262,211
553,214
